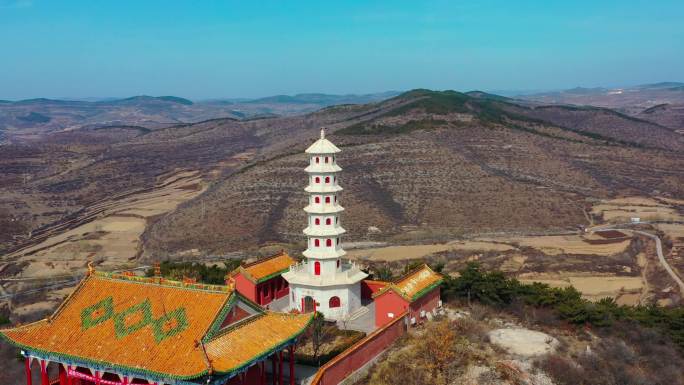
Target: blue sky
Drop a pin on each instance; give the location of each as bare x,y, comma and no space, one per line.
209,49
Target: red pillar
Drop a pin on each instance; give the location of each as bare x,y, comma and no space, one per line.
44,380
29,379
280,367
262,366
292,380
97,377
62,375
275,369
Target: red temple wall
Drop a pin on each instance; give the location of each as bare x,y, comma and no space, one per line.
245,287
361,353
427,303
262,293
389,302
236,314
271,290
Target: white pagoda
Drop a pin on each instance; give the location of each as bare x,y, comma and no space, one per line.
324,282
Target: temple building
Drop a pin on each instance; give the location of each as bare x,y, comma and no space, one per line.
261,281
120,329
324,282
417,293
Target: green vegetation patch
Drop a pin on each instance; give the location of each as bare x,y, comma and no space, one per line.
34,117
371,128
489,111
495,289
213,275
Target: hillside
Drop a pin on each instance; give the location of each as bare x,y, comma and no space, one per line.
440,161
25,119
668,115
627,99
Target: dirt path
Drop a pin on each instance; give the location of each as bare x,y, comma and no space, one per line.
661,258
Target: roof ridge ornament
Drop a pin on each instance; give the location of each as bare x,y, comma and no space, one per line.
322,132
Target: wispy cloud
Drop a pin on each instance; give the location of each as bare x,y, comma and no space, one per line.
12,4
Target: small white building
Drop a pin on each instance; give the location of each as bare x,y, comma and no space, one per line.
324,282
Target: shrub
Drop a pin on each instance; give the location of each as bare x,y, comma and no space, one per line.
495,289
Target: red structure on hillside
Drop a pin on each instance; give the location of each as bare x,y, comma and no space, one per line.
416,293
261,281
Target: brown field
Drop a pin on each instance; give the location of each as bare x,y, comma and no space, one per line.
673,231
598,270
570,244
398,253
112,238
622,209
626,290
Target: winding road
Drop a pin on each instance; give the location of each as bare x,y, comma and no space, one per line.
661,257
659,247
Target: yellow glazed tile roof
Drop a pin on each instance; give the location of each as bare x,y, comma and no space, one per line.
414,284
152,328
254,338
123,323
267,267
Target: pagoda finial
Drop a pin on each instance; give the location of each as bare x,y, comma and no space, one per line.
323,133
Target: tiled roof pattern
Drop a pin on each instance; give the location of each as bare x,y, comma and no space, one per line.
113,321
267,267
156,329
414,284
255,338
138,345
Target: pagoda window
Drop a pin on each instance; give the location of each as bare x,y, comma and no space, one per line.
338,240
317,199
334,302
326,159
317,268
338,263
327,179
336,220
317,180
328,242
328,221
335,198
327,199
317,221
318,160
317,242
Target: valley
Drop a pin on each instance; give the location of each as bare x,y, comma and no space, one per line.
439,176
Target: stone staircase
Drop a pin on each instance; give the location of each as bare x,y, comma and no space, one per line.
358,313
